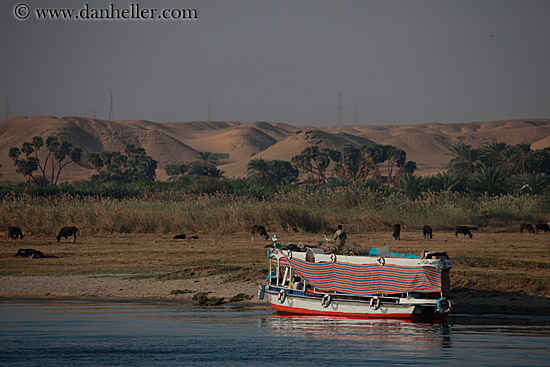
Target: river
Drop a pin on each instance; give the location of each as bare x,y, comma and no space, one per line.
40,333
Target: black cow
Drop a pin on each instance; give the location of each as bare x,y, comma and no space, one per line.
427,231
543,227
179,236
29,252
464,230
66,232
526,226
15,232
397,231
260,230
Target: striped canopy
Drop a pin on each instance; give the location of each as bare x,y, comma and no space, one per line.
370,279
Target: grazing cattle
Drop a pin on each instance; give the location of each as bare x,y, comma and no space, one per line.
194,237
66,232
543,227
29,252
526,226
464,230
15,232
397,231
427,231
260,230
180,236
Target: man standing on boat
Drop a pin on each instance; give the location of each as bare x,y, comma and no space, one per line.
340,237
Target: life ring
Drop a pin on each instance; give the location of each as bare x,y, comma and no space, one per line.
443,305
375,303
327,300
381,261
261,292
333,258
282,296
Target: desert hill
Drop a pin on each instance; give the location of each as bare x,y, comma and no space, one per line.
234,144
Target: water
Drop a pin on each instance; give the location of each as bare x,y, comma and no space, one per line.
89,334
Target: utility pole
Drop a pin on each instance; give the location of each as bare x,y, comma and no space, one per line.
7,107
95,113
112,109
208,114
339,108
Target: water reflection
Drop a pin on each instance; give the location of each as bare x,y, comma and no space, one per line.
403,334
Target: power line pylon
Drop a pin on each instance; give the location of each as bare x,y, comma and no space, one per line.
112,109
339,108
7,107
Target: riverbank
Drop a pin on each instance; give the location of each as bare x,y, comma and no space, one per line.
494,272
127,289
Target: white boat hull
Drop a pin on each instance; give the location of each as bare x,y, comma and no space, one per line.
305,305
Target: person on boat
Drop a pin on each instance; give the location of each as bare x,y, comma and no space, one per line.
340,237
298,284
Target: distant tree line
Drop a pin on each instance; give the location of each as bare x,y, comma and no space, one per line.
495,169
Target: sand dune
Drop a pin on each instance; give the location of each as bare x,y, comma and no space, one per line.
234,144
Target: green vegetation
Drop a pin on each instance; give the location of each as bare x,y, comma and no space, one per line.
303,209
364,188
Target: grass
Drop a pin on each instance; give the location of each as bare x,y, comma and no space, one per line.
302,210
494,259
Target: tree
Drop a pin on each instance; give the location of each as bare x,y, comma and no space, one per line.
488,179
529,183
522,159
95,160
412,186
284,171
373,156
260,172
443,182
176,173
465,161
207,158
271,172
316,161
132,166
349,165
397,158
51,165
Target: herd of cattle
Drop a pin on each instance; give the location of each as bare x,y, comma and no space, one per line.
427,231
16,233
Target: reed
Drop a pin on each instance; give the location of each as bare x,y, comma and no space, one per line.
305,209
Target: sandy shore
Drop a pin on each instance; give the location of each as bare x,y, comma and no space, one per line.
149,267
120,288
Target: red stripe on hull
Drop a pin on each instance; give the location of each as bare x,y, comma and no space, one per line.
305,311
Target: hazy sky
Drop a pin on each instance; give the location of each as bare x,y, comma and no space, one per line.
392,61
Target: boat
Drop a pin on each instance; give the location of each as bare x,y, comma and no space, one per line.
379,284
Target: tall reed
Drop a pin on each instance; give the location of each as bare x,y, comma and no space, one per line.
303,210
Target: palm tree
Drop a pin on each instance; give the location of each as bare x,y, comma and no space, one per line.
207,158
412,185
465,160
488,179
530,183
443,182
523,159
261,172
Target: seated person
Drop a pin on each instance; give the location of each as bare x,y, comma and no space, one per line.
298,284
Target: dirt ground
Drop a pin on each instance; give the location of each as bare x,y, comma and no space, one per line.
495,271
